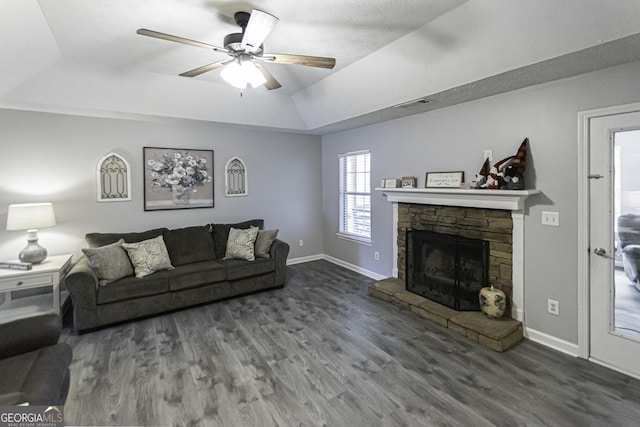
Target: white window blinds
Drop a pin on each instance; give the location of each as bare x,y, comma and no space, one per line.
355,194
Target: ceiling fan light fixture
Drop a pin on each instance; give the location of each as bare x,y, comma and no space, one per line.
251,74
242,73
232,74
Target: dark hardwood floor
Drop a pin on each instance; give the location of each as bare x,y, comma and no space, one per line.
322,352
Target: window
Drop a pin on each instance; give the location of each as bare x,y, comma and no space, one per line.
355,196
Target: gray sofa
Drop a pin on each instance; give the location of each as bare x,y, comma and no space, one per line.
34,367
201,275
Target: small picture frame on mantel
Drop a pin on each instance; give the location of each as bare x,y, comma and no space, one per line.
444,179
409,182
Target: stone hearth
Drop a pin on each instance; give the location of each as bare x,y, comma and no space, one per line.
498,335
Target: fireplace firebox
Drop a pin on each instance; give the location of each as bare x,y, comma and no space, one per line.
446,268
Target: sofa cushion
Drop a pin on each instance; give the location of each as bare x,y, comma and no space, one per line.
100,239
264,240
132,287
148,256
241,244
189,245
197,274
221,233
240,269
110,262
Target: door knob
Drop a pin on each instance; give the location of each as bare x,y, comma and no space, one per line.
602,252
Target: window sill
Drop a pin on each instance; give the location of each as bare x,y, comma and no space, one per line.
356,239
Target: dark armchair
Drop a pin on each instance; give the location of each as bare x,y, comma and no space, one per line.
34,367
629,237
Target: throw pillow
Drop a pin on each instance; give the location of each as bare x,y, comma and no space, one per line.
220,233
148,256
110,262
264,241
241,243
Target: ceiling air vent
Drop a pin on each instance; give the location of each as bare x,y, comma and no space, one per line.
413,103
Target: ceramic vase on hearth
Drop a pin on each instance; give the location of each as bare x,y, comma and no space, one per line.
492,302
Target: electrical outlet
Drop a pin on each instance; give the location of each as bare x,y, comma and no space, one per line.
553,307
551,218
301,243
376,256
488,154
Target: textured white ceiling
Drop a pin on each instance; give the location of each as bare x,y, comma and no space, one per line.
101,33
84,56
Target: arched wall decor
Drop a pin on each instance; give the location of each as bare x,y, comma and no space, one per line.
235,178
113,176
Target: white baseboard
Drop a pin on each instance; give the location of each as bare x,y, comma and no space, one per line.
635,375
551,342
300,260
353,267
337,261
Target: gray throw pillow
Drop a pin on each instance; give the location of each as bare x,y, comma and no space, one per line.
148,256
241,243
110,262
264,241
220,233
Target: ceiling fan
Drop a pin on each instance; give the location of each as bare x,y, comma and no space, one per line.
246,52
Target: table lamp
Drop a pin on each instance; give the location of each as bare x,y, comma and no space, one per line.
30,217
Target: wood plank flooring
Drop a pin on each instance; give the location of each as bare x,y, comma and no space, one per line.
321,352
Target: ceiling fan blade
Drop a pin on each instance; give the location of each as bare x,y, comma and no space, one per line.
271,82
309,61
205,68
259,27
163,36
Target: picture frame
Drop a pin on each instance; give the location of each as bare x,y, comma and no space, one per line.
177,178
409,182
453,179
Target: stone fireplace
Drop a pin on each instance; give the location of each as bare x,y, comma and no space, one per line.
478,224
494,217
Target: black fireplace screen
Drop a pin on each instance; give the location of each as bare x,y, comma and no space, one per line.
447,269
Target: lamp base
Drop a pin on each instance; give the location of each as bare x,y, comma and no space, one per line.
33,252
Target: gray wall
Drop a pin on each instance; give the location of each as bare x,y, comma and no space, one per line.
454,139
51,157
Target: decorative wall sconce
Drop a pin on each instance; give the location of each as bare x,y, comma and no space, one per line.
113,177
235,178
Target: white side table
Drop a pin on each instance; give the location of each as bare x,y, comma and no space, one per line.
50,272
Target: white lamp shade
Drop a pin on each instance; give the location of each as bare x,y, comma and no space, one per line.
239,75
232,74
251,73
30,216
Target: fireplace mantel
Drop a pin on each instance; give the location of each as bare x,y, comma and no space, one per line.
511,200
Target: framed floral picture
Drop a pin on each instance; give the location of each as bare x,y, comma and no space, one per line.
176,178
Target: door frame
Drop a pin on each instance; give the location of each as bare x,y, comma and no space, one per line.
584,315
